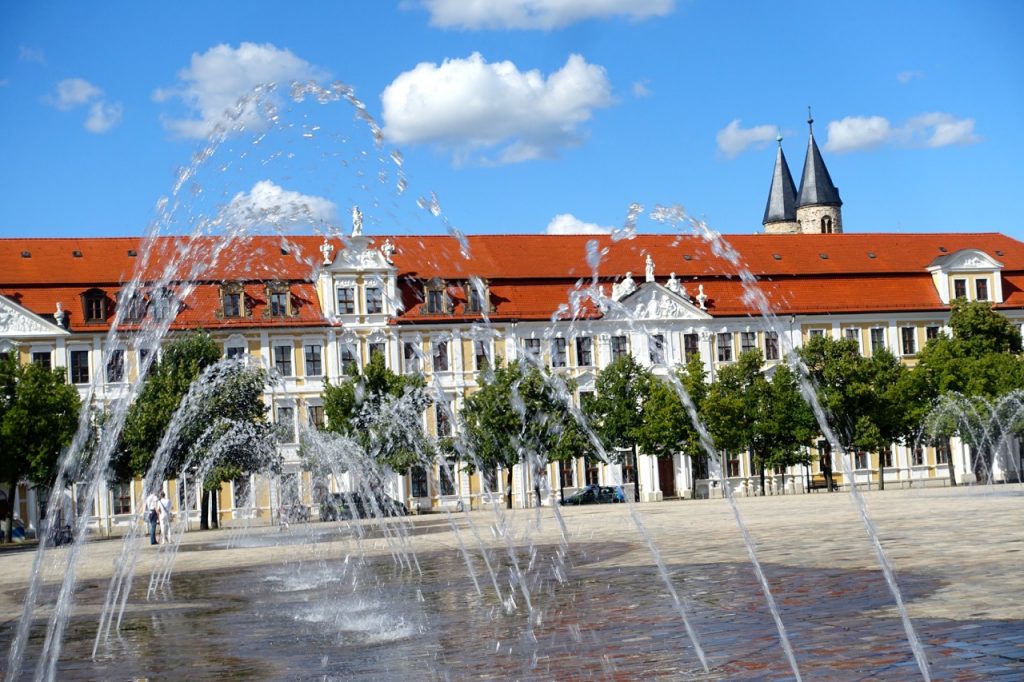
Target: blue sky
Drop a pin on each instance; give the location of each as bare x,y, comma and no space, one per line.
519,114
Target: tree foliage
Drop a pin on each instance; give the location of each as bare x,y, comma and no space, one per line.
38,418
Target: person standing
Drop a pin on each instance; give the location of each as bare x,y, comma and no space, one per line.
152,502
164,515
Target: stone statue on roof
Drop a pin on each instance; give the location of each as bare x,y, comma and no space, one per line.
701,297
357,222
326,250
672,284
649,269
387,249
624,288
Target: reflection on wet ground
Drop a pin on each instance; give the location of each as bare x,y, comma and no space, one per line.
594,617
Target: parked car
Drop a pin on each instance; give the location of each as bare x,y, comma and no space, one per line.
596,494
337,506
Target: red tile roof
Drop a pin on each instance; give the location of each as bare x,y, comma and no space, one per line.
529,276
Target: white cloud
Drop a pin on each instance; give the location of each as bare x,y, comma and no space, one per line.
640,89
31,54
936,129
857,132
537,14
269,204
905,77
469,106
73,92
567,223
103,116
733,139
215,81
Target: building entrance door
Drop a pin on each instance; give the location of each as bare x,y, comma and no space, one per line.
667,476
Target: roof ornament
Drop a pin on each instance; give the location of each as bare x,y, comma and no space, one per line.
624,288
59,315
810,120
357,222
387,249
326,249
649,269
702,298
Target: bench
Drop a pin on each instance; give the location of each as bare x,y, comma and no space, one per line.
818,482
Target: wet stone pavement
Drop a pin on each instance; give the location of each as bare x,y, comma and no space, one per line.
325,602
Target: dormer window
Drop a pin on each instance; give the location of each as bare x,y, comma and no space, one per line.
374,299
981,289
94,305
135,308
959,288
232,300
160,304
476,296
346,300
435,299
279,302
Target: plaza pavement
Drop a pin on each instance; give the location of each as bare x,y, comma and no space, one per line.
958,554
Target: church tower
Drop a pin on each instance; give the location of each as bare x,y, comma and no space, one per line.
780,211
818,208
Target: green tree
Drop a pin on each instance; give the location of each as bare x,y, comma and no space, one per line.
516,417
966,375
381,411
622,390
38,418
667,427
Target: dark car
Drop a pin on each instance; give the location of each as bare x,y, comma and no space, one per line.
337,506
596,494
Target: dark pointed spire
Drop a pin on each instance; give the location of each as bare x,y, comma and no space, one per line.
816,186
781,206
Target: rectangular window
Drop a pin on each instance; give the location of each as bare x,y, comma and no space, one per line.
374,300
917,457
346,300
122,494
349,365
531,347
410,357
377,348
482,353
314,360
115,366
877,339
885,457
733,466
724,342
232,305
315,413
981,289
143,354
959,288
620,347
473,299
565,474
42,358
852,334
559,352
234,352
942,452
449,473
816,333
908,337
286,422
691,346
656,349
931,333
748,341
134,308
861,460
79,367
95,310
584,351
444,423
771,345
278,303
435,301
440,356
418,482
283,360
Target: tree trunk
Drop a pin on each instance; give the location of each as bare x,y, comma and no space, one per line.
762,477
204,509
881,471
508,488
952,469
214,515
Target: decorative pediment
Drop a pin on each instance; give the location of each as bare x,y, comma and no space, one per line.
966,260
18,321
652,301
359,253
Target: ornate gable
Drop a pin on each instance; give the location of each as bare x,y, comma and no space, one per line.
652,301
21,322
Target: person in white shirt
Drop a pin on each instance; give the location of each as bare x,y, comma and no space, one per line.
152,515
163,510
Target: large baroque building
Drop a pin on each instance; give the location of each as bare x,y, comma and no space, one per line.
314,309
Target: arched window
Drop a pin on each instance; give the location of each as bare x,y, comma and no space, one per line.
826,224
